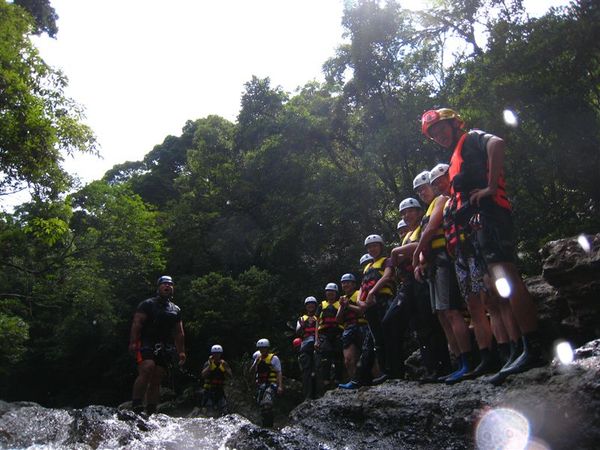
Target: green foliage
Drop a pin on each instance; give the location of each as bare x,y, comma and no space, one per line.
14,333
37,121
217,304
44,15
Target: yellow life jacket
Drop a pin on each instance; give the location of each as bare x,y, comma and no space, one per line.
352,317
308,325
216,376
372,272
264,370
438,240
327,317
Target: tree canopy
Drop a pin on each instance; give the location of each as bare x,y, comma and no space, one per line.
252,216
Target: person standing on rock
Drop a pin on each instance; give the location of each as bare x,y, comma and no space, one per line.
269,380
329,345
445,295
353,321
156,340
479,200
215,372
375,294
306,329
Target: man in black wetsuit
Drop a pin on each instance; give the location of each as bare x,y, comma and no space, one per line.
156,339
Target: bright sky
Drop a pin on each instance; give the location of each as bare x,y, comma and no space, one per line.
141,68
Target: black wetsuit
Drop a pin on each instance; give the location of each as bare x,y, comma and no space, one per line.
158,330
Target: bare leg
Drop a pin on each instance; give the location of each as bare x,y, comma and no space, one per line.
350,360
481,324
449,332
145,372
459,329
492,304
153,392
521,302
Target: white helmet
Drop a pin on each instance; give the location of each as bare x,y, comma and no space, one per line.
438,171
372,238
421,179
409,203
348,277
332,287
401,224
310,299
365,259
216,349
263,343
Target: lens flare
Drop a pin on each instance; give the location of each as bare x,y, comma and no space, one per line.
564,353
502,428
583,241
510,118
503,287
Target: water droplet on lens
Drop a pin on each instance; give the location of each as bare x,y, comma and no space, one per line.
564,353
583,241
510,118
503,287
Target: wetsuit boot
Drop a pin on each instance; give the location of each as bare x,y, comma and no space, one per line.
488,364
504,350
530,358
350,385
465,367
137,406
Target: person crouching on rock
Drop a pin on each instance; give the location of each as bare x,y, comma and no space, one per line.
306,329
269,380
215,372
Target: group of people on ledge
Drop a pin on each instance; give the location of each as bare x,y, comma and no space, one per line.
454,272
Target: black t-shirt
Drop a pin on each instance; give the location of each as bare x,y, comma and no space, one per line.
161,318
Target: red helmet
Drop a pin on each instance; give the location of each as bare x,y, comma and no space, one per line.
434,116
297,342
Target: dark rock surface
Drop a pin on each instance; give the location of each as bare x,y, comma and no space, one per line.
561,404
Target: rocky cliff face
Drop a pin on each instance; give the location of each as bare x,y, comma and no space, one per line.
568,291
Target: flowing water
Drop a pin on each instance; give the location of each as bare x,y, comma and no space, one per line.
30,426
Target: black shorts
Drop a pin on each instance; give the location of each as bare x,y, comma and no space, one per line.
354,335
495,239
163,355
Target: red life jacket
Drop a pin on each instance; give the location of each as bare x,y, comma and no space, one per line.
351,317
372,272
308,325
456,168
327,318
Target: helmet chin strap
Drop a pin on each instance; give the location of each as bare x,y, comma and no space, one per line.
456,134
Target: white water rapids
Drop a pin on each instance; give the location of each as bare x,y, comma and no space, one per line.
30,426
